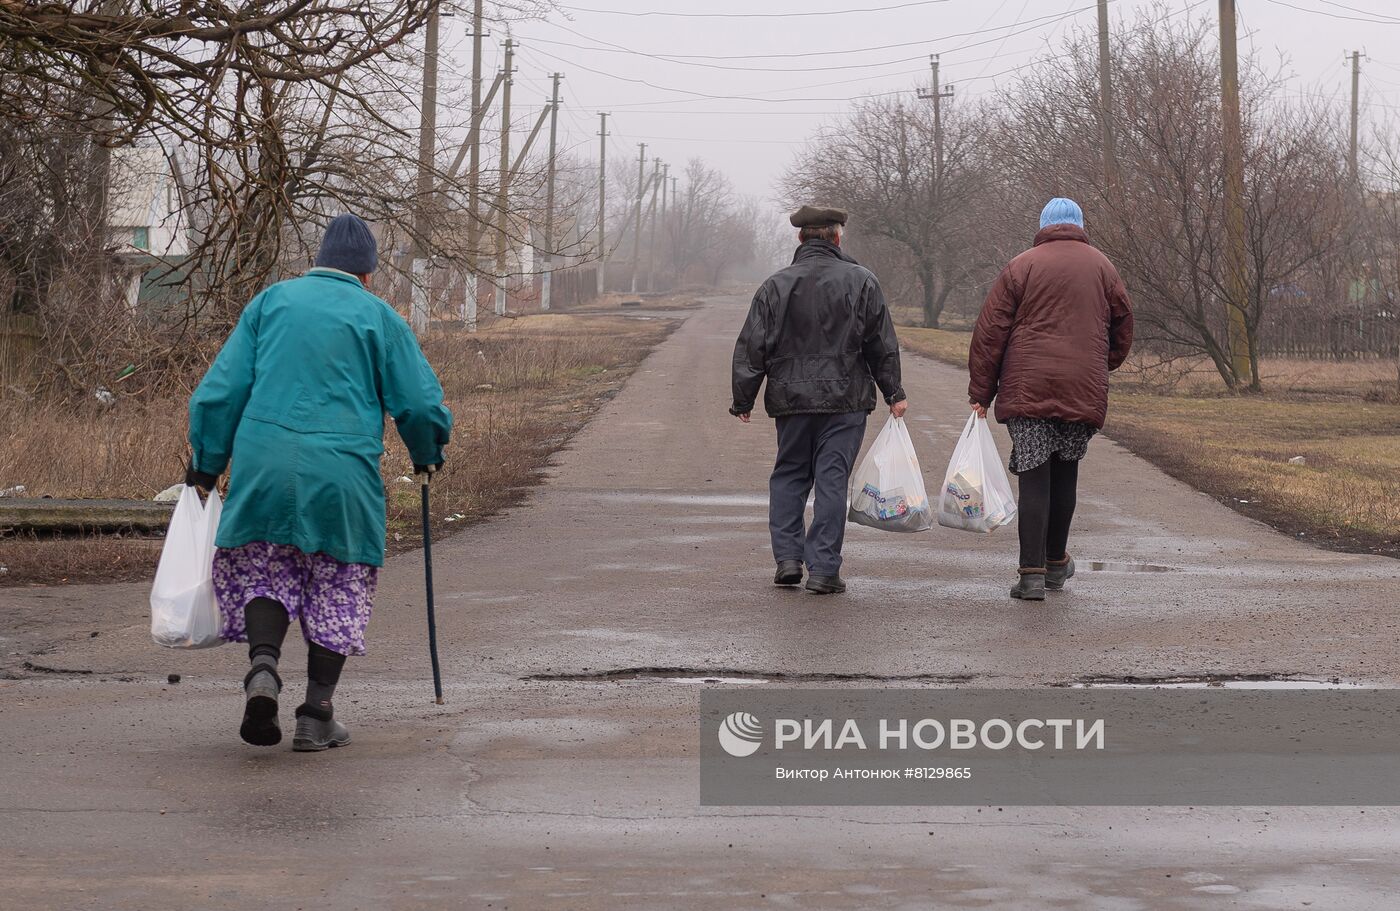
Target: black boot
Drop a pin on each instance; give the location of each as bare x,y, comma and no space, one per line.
260,688
317,731
789,573
317,728
826,585
266,621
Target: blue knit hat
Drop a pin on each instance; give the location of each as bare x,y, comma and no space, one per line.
349,246
1061,211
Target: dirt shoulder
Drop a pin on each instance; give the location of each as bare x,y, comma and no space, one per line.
1317,455
519,389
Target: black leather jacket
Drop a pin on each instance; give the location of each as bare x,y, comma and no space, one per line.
821,333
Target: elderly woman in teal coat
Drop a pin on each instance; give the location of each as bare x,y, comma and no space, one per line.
296,402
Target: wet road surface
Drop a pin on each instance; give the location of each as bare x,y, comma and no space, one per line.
576,631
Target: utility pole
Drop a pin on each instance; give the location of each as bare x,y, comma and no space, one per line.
937,94
1110,142
1355,171
665,185
503,194
1236,264
602,204
675,204
422,220
641,191
651,242
469,300
547,283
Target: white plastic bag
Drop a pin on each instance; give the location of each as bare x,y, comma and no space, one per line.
184,613
887,490
977,494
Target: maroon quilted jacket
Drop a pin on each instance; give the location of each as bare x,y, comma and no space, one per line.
1055,322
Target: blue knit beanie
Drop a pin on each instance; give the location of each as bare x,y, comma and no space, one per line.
349,246
1061,211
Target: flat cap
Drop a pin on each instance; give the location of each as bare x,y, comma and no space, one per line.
818,217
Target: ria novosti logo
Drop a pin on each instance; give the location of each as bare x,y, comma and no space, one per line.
741,734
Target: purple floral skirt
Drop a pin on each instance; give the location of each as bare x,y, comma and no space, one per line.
332,600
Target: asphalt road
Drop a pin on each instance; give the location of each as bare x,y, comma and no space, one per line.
562,773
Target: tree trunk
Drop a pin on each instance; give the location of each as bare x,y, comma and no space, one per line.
933,305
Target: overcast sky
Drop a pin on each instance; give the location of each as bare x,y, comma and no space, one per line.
770,102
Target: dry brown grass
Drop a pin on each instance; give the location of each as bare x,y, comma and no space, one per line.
518,390
1342,418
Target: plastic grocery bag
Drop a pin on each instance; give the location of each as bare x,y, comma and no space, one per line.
887,490
184,613
977,494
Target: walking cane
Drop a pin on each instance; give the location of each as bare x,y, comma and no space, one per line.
428,579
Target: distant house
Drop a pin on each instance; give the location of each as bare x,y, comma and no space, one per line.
146,223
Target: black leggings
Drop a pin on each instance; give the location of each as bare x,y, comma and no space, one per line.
1046,509
267,623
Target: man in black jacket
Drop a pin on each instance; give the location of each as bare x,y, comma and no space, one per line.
820,332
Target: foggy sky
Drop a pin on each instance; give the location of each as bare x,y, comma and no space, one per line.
753,141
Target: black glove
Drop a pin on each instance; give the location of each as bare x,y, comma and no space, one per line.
428,470
201,479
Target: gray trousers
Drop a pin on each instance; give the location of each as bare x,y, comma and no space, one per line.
814,450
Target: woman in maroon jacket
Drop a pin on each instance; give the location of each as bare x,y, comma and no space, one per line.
1056,321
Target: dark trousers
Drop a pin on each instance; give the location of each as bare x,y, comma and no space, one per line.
814,450
1045,511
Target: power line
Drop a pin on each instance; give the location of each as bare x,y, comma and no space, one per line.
702,95
1031,25
724,139
842,12
718,66
1323,12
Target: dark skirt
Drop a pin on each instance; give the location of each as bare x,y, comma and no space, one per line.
1035,440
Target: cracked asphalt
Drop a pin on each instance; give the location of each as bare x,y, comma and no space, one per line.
576,630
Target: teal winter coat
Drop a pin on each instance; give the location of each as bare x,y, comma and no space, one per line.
297,399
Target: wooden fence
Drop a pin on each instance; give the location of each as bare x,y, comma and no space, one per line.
1352,334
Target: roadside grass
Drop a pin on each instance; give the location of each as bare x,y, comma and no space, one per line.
518,389
1341,418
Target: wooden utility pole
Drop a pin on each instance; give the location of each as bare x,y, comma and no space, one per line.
503,192
665,185
1352,159
469,300
427,147
1236,261
602,204
651,242
937,95
637,218
1110,142
548,280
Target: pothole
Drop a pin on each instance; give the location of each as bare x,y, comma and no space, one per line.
738,676
1103,566
45,669
1217,681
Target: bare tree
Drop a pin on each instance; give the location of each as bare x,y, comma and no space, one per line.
879,164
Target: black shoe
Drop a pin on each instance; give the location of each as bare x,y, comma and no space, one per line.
260,726
1031,586
826,585
789,573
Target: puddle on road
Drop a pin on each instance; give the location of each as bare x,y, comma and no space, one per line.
1100,566
735,677
740,500
1220,681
